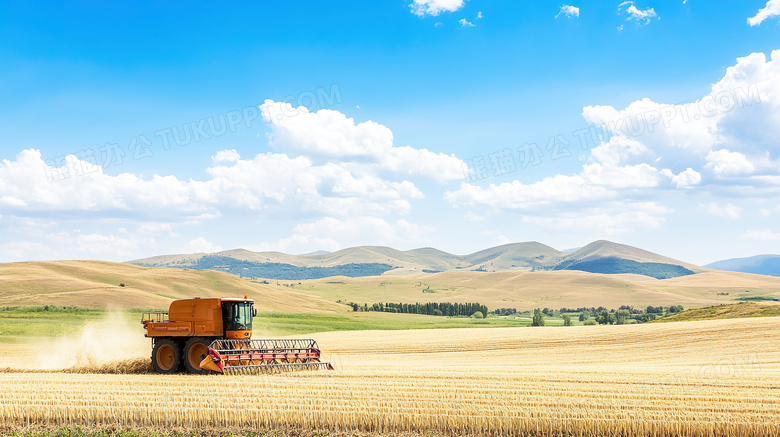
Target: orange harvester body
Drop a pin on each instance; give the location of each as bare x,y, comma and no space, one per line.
214,335
195,317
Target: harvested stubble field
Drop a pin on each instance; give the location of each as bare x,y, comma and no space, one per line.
712,378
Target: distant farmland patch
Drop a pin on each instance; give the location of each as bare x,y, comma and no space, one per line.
250,269
614,265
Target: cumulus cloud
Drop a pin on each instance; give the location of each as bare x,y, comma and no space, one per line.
595,183
724,142
741,115
331,135
201,245
226,156
278,182
685,179
568,11
465,23
725,163
30,184
618,150
640,16
422,8
342,168
772,9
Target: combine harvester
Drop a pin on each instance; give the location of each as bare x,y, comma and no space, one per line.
214,335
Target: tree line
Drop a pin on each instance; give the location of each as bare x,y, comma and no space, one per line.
604,316
451,309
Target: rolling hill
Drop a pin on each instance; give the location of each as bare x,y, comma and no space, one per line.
552,289
598,257
760,265
98,284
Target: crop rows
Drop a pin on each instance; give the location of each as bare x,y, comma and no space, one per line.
394,401
509,385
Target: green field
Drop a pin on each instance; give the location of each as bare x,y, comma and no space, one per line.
20,323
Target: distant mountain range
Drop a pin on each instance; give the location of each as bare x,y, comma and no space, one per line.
598,257
761,265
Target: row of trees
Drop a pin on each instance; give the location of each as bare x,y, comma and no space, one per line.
505,311
604,316
430,308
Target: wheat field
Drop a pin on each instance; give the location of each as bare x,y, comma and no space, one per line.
713,378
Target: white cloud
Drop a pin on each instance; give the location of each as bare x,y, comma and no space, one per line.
516,196
479,15
434,7
344,169
464,23
201,245
725,163
686,179
741,114
568,11
276,182
641,144
330,135
772,9
764,235
596,182
640,16
226,156
618,150
29,184
728,211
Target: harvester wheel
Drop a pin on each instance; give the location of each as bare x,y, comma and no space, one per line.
195,351
166,356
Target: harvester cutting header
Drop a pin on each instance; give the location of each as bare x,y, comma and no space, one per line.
215,335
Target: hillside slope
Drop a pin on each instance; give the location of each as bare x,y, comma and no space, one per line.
97,284
612,258
553,289
760,265
597,257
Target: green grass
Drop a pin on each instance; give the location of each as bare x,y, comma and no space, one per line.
296,323
19,324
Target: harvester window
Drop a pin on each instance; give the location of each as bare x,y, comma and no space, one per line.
238,316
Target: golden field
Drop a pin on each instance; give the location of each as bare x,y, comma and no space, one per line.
96,284
710,378
552,289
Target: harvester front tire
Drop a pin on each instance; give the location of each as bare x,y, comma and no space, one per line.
195,351
166,356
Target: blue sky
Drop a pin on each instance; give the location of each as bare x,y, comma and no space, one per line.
132,131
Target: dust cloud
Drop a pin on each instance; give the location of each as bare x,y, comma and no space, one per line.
101,344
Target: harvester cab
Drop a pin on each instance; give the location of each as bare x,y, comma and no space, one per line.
214,335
